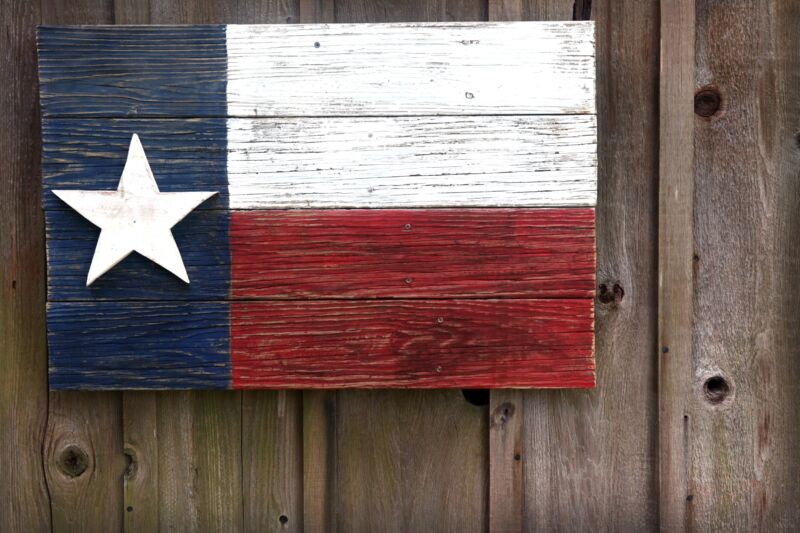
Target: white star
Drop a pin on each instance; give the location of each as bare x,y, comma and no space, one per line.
135,218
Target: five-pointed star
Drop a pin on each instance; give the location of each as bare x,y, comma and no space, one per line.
137,217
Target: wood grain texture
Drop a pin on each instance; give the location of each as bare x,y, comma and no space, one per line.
506,471
410,69
320,460
532,10
387,162
409,461
184,154
149,345
337,162
140,445
200,461
420,343
132,71
84,461
272,460
358,11
202,239
533,253
744,442
24,501
675,250
589,456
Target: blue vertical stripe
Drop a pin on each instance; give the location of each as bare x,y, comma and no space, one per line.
137,326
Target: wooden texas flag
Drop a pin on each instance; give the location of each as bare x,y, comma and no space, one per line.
383,205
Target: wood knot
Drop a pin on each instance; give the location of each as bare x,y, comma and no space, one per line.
502,414
610,295
716,389
73,461
707,101
283,519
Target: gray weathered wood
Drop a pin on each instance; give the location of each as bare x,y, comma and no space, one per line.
140,445
675,249
84,461
199,461
272,461
745,465
597,448
506,473
410,461
589,456
24,501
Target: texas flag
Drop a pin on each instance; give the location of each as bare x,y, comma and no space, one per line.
398,205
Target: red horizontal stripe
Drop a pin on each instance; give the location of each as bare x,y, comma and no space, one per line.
415,253
418,343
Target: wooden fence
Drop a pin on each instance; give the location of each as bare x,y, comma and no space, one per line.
694,425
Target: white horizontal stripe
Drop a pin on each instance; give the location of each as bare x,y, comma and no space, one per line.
388,162
411,69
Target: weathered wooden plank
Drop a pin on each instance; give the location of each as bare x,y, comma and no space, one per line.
278,70
202,239
320,484
419,343
589,456
507,475
533,253
411,69
84,461
412,162
140,445
338,162
151,345
132,71
184,154
199,461
745,435
409,461
676,276
272,458
24,500
533,10
359,11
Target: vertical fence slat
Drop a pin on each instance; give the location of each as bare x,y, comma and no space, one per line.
24,503
84,463
675,245
746,376
140,444
272,460
506,473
